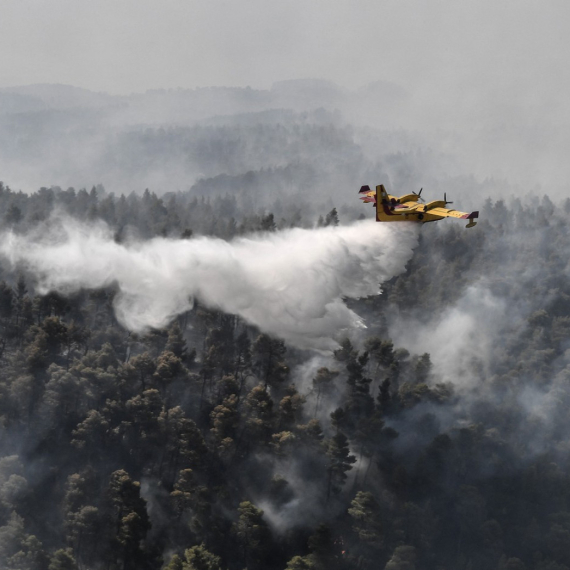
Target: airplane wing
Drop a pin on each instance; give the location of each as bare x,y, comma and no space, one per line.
410,205
447,213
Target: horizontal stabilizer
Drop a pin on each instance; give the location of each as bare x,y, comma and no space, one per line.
364,189
471,218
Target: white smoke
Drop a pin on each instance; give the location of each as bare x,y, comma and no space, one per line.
461,339
290,284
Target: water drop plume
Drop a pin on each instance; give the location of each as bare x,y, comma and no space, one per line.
289,283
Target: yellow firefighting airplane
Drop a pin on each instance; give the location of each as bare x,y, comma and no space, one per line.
407,209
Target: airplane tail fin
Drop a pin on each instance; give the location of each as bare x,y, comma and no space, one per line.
381,191
381,203
471,219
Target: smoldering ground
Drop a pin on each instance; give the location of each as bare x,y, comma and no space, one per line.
289,283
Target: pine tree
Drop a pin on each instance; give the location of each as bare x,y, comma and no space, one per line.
322,382
253,535
268,359
198,558
176,342
339,462
365,512
63,559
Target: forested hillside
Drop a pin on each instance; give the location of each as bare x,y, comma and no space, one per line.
211,445
308,139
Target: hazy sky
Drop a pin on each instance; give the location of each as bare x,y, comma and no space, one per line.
120,46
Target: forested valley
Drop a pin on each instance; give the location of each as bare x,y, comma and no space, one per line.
211,445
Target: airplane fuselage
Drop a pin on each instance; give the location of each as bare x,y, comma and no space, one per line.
407,209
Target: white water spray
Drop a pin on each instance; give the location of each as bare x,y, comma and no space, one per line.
289,283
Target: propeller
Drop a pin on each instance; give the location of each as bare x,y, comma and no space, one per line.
445,199
419,194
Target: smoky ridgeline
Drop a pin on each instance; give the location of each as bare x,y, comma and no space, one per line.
210,445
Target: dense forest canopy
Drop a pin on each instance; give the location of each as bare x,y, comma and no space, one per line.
435,438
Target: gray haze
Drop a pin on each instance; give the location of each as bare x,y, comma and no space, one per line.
451,89
441,46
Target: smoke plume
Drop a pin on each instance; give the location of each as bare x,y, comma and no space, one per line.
290,283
